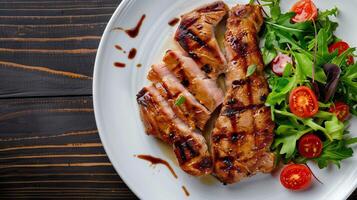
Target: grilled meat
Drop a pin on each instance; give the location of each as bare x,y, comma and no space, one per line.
243,132
195,35
160,121
190,111
191,76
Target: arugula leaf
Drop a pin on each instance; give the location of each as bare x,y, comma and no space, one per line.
333,152
341,59
274,6
334,128
306,65
348,87
180,100
268,55
288,70
351,141
251,69
323,15
288,142
283,23
280,89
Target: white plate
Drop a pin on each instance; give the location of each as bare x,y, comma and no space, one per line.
122,132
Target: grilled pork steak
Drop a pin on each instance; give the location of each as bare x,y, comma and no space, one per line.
195,35
190,110
243,132
160,121
188,72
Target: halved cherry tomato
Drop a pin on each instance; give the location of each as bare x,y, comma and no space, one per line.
305,11
296,177
279,63
310,146
303,102
341,46
341,110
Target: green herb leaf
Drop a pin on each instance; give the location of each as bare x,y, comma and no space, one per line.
341,59
180,100
333,152
251,69
323,15
347,87
306,65
268,55
351,141
288,70
334,128
288,143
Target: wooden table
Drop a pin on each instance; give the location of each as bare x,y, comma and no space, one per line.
49,144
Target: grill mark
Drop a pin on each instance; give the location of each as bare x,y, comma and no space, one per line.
244,49
206,163
140,97
182,146
238,83
181,152
190,146
184,36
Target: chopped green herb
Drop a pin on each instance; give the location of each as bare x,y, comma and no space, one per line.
251,69
180,100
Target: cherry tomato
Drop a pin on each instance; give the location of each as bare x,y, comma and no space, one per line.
303,102
310,146
341,46
279,63
305,11
341,110
296,177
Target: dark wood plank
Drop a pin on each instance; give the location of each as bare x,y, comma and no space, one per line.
63,19
50,49
50,147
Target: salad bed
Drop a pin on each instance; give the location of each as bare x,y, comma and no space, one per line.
313,81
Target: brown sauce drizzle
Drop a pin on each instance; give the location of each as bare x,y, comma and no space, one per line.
119,64
133,32
132,53
174,21
118,47
139,65
185,191
155,161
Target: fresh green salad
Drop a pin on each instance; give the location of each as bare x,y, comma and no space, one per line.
313,81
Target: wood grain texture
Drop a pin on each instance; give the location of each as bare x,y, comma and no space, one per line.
50,46
49,144
49,147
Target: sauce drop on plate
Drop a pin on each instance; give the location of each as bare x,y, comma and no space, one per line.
155,161
139,65
185,191
133,32
119,64
174,21
132,53
118,47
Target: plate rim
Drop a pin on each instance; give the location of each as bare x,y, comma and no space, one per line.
95,85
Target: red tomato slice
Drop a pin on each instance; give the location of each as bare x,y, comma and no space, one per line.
296,177
341,110
310,146
303,102
279,63
341,47
305,11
